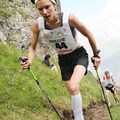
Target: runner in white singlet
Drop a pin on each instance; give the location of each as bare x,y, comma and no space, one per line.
109,84
59,31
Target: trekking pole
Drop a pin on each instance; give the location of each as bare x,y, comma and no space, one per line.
40,86
104,94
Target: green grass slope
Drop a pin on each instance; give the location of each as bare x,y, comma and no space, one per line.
20,96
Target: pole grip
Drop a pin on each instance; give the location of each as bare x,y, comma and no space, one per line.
24,59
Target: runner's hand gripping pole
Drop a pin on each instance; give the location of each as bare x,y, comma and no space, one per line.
96,64
25,61
96,59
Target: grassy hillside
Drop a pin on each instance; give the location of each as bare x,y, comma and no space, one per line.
21,98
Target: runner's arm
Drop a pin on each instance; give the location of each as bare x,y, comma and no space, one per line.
113,80
75,22
35,36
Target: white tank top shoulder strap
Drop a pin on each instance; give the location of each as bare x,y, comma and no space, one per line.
65,18
40,21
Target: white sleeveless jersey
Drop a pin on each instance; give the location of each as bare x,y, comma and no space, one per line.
61,38
108,82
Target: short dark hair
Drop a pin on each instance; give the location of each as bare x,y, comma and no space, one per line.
33,1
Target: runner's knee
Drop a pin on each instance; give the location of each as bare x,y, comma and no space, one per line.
73,90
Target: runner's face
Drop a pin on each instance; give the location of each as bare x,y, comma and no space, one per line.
46,9
107,74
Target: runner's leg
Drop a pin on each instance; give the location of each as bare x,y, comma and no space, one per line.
73,86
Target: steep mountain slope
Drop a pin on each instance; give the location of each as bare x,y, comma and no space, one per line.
21,98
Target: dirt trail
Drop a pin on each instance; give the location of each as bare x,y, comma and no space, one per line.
94,112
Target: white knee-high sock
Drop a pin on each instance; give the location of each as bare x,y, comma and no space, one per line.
77,107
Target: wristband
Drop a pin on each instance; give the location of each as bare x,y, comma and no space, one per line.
96,54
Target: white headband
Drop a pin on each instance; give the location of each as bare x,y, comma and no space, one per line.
53,1
36,1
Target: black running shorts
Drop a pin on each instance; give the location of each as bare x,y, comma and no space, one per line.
111,88
68,62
